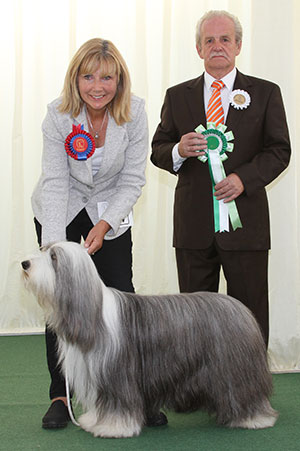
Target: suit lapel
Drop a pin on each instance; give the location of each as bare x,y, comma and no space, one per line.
114,142
195,101
234,115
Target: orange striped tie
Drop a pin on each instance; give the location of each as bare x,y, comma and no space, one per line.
215,112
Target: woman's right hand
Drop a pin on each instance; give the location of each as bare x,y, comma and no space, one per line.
94,240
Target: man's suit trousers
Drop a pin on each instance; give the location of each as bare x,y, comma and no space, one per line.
246,274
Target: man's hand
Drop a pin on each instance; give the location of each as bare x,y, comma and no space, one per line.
229,188
94,240
192,145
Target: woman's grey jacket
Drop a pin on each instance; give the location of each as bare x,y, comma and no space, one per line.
66,185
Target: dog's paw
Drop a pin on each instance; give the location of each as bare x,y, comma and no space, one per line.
88,421
117,427
258,421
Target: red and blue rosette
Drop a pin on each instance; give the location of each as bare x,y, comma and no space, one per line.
80,144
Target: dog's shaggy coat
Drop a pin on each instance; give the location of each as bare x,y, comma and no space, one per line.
127,356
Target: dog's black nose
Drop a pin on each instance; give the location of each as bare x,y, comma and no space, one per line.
25,264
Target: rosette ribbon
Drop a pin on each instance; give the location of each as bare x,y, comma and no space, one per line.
79,144
217,146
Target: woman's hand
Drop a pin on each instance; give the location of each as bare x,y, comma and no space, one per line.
94,240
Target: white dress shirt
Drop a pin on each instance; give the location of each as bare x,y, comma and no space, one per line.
228,81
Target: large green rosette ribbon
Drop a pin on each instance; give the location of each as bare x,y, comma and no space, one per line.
217,146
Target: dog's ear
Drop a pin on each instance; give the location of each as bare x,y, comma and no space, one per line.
77,293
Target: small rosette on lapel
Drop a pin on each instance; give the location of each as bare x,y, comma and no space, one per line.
79,144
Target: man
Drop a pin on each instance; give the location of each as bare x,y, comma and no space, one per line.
253,110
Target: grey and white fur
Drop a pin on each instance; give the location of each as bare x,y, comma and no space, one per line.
128,356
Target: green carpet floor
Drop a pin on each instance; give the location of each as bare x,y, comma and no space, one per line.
24,399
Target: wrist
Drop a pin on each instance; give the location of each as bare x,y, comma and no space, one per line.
103,225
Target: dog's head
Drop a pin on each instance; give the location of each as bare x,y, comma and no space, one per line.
39,275
66,283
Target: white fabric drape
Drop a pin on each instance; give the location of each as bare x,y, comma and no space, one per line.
156,38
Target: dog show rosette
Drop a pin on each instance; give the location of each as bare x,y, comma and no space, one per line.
217,146
239,99
79,144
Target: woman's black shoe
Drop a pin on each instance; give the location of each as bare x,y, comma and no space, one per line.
57,416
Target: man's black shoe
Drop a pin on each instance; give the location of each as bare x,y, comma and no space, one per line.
57,416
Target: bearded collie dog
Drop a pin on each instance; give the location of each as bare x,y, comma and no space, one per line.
127,356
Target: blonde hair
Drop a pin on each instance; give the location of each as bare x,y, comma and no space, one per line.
219,13
88,57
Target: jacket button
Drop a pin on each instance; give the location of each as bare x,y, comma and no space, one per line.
84,199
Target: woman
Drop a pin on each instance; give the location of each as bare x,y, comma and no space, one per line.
94,157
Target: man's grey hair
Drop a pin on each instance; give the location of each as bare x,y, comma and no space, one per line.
219,13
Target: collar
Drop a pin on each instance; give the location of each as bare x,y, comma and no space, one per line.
228,80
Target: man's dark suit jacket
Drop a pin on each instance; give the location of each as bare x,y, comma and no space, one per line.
261,152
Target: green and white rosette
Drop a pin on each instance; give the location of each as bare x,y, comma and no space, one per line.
217,146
